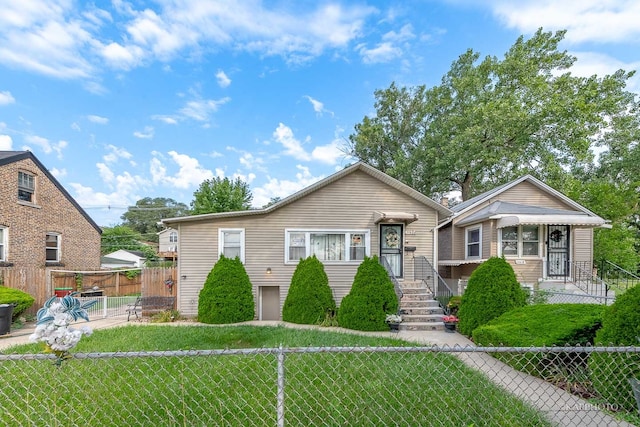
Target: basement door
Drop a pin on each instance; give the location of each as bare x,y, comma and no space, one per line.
391,246
269,303
558,251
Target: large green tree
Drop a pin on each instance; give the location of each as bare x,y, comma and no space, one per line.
147,213
492,120
221,195
123,237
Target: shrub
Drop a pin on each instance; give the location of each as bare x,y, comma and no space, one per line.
21,300
371,298
492,290
542,325
227,295
610,372
309,299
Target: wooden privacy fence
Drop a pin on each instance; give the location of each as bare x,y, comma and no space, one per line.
42,283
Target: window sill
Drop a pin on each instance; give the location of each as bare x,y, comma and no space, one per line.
6,264
29,204
54,264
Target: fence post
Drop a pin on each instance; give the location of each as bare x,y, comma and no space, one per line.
281,358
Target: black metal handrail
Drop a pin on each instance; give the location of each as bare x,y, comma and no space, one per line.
394,279
424,271
616,276
586,280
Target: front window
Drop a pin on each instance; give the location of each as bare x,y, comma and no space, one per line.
474,242
231,243
520,241
3,244
329,245
53,247
26,187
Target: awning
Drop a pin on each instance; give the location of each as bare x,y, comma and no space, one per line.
405,217
578,220
457,262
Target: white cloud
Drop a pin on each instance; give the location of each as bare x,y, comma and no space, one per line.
223,80
105,173
147,133
58,173
45,145
166,119
329,153
383,52
405,33
283,188
6,98
284,135
97,119
201,109
6,143
585,21
190,173
75,126
318,106
115,153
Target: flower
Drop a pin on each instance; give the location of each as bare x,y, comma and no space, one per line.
52,326
450,319
393,318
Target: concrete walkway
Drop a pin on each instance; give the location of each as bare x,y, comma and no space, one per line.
560,407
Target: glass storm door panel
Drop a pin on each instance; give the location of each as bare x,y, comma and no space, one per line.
558,251
391,247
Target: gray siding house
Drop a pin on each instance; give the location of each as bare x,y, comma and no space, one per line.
351,214
543,234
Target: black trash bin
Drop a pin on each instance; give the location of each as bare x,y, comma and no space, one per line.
6,310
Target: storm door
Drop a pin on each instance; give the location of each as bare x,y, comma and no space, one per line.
391,246
558,251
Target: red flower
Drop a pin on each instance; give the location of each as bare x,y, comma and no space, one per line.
449,319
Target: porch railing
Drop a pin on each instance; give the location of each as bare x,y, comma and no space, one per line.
617,277
424,271
586,280
394,279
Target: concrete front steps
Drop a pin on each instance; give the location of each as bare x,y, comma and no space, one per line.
419,311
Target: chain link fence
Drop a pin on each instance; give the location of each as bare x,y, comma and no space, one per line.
543,296
355,386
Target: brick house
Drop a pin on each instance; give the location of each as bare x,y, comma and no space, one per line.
41,225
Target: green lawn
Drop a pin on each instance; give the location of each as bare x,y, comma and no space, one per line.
322,388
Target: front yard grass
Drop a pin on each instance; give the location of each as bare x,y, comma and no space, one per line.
321,388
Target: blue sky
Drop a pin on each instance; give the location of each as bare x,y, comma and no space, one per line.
129,99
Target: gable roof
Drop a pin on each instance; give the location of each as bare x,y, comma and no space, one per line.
521,214
475,201
360,166
8,157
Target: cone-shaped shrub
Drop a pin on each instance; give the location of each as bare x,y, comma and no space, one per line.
493,289
371,298
610,372
309,298
227,295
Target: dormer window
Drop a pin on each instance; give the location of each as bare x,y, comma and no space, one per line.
26,186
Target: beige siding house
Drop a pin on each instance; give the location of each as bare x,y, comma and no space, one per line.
353,213
542,233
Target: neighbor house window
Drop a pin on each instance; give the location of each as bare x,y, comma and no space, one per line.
173,237
3,244
327,245
474,241
26,187
53,247
231,242
520,241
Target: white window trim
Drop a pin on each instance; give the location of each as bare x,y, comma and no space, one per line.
520,244
58,248
307,241
4,241
466,242
221,232
173,237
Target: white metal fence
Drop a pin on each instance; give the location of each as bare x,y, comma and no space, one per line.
108,306
363,386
